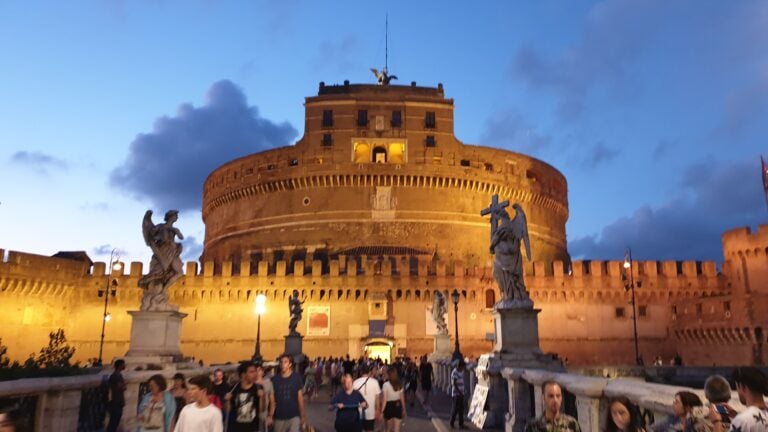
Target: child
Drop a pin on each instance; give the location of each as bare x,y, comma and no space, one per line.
199,416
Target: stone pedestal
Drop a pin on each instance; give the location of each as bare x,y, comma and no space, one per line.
516,346
293,347
443,348
155,337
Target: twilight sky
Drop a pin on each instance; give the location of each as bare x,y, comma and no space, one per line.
655,111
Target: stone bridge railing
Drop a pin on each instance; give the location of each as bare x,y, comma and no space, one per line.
585,397
77,403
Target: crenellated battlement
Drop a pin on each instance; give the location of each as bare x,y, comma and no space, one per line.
355,277
742,241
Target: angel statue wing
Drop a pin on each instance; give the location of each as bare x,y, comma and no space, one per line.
520,228
146,229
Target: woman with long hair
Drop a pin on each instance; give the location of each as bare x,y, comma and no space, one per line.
623,416
683,405
179,393
394,401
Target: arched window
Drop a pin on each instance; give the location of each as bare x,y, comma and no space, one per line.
490,298
379,155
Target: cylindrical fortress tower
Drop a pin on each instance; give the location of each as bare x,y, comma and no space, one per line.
378,172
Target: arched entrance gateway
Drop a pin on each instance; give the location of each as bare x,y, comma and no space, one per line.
379,348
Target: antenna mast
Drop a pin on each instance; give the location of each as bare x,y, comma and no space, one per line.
386,42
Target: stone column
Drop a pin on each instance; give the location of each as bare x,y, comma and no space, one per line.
519,394
155,337
588,392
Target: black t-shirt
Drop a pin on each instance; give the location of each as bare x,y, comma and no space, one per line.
287,395
221,390
117,389
426,372
348,365
244,416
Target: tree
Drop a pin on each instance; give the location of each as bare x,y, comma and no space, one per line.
4,360
57,354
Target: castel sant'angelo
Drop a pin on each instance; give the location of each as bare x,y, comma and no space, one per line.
370,213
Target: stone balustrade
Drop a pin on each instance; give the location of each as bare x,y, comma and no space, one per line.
591,395
57,400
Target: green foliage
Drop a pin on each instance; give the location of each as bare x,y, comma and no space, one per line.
57,354
53,360
4,360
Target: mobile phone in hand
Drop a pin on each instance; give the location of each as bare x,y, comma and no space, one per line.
723,411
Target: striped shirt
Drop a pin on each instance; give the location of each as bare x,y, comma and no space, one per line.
457,382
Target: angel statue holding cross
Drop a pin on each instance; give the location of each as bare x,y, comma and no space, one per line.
506,235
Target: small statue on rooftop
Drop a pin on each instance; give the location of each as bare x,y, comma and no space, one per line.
383,77
165,268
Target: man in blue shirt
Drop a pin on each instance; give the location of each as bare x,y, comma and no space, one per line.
288,412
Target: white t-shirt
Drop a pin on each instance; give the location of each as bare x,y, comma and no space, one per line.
194,419
390,395
752,419
369,390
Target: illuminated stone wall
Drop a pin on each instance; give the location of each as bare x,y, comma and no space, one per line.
578,318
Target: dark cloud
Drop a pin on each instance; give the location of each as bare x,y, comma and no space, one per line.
615,34
106,249
599,154
717,198
37,161
509,129
169,165
191,249
662,148
338,56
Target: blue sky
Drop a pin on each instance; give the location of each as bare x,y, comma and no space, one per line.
655,111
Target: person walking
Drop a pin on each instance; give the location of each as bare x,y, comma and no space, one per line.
310,381
347,404
179,393
116,397
288,412
269,396
369,388
393,398
157,408
427,375
752,387
623,416
457,393
553,420
200,415
246,401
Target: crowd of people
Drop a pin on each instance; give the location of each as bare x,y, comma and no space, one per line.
363,393
690,413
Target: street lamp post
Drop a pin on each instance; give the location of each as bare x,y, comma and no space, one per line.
261,301
110,288
456,352
629,284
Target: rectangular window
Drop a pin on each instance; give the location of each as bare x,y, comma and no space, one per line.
397,119
642,311
429,120
620,312
465,163
362,118
699,309
727,306
430,141
328,118
294,162
327,140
